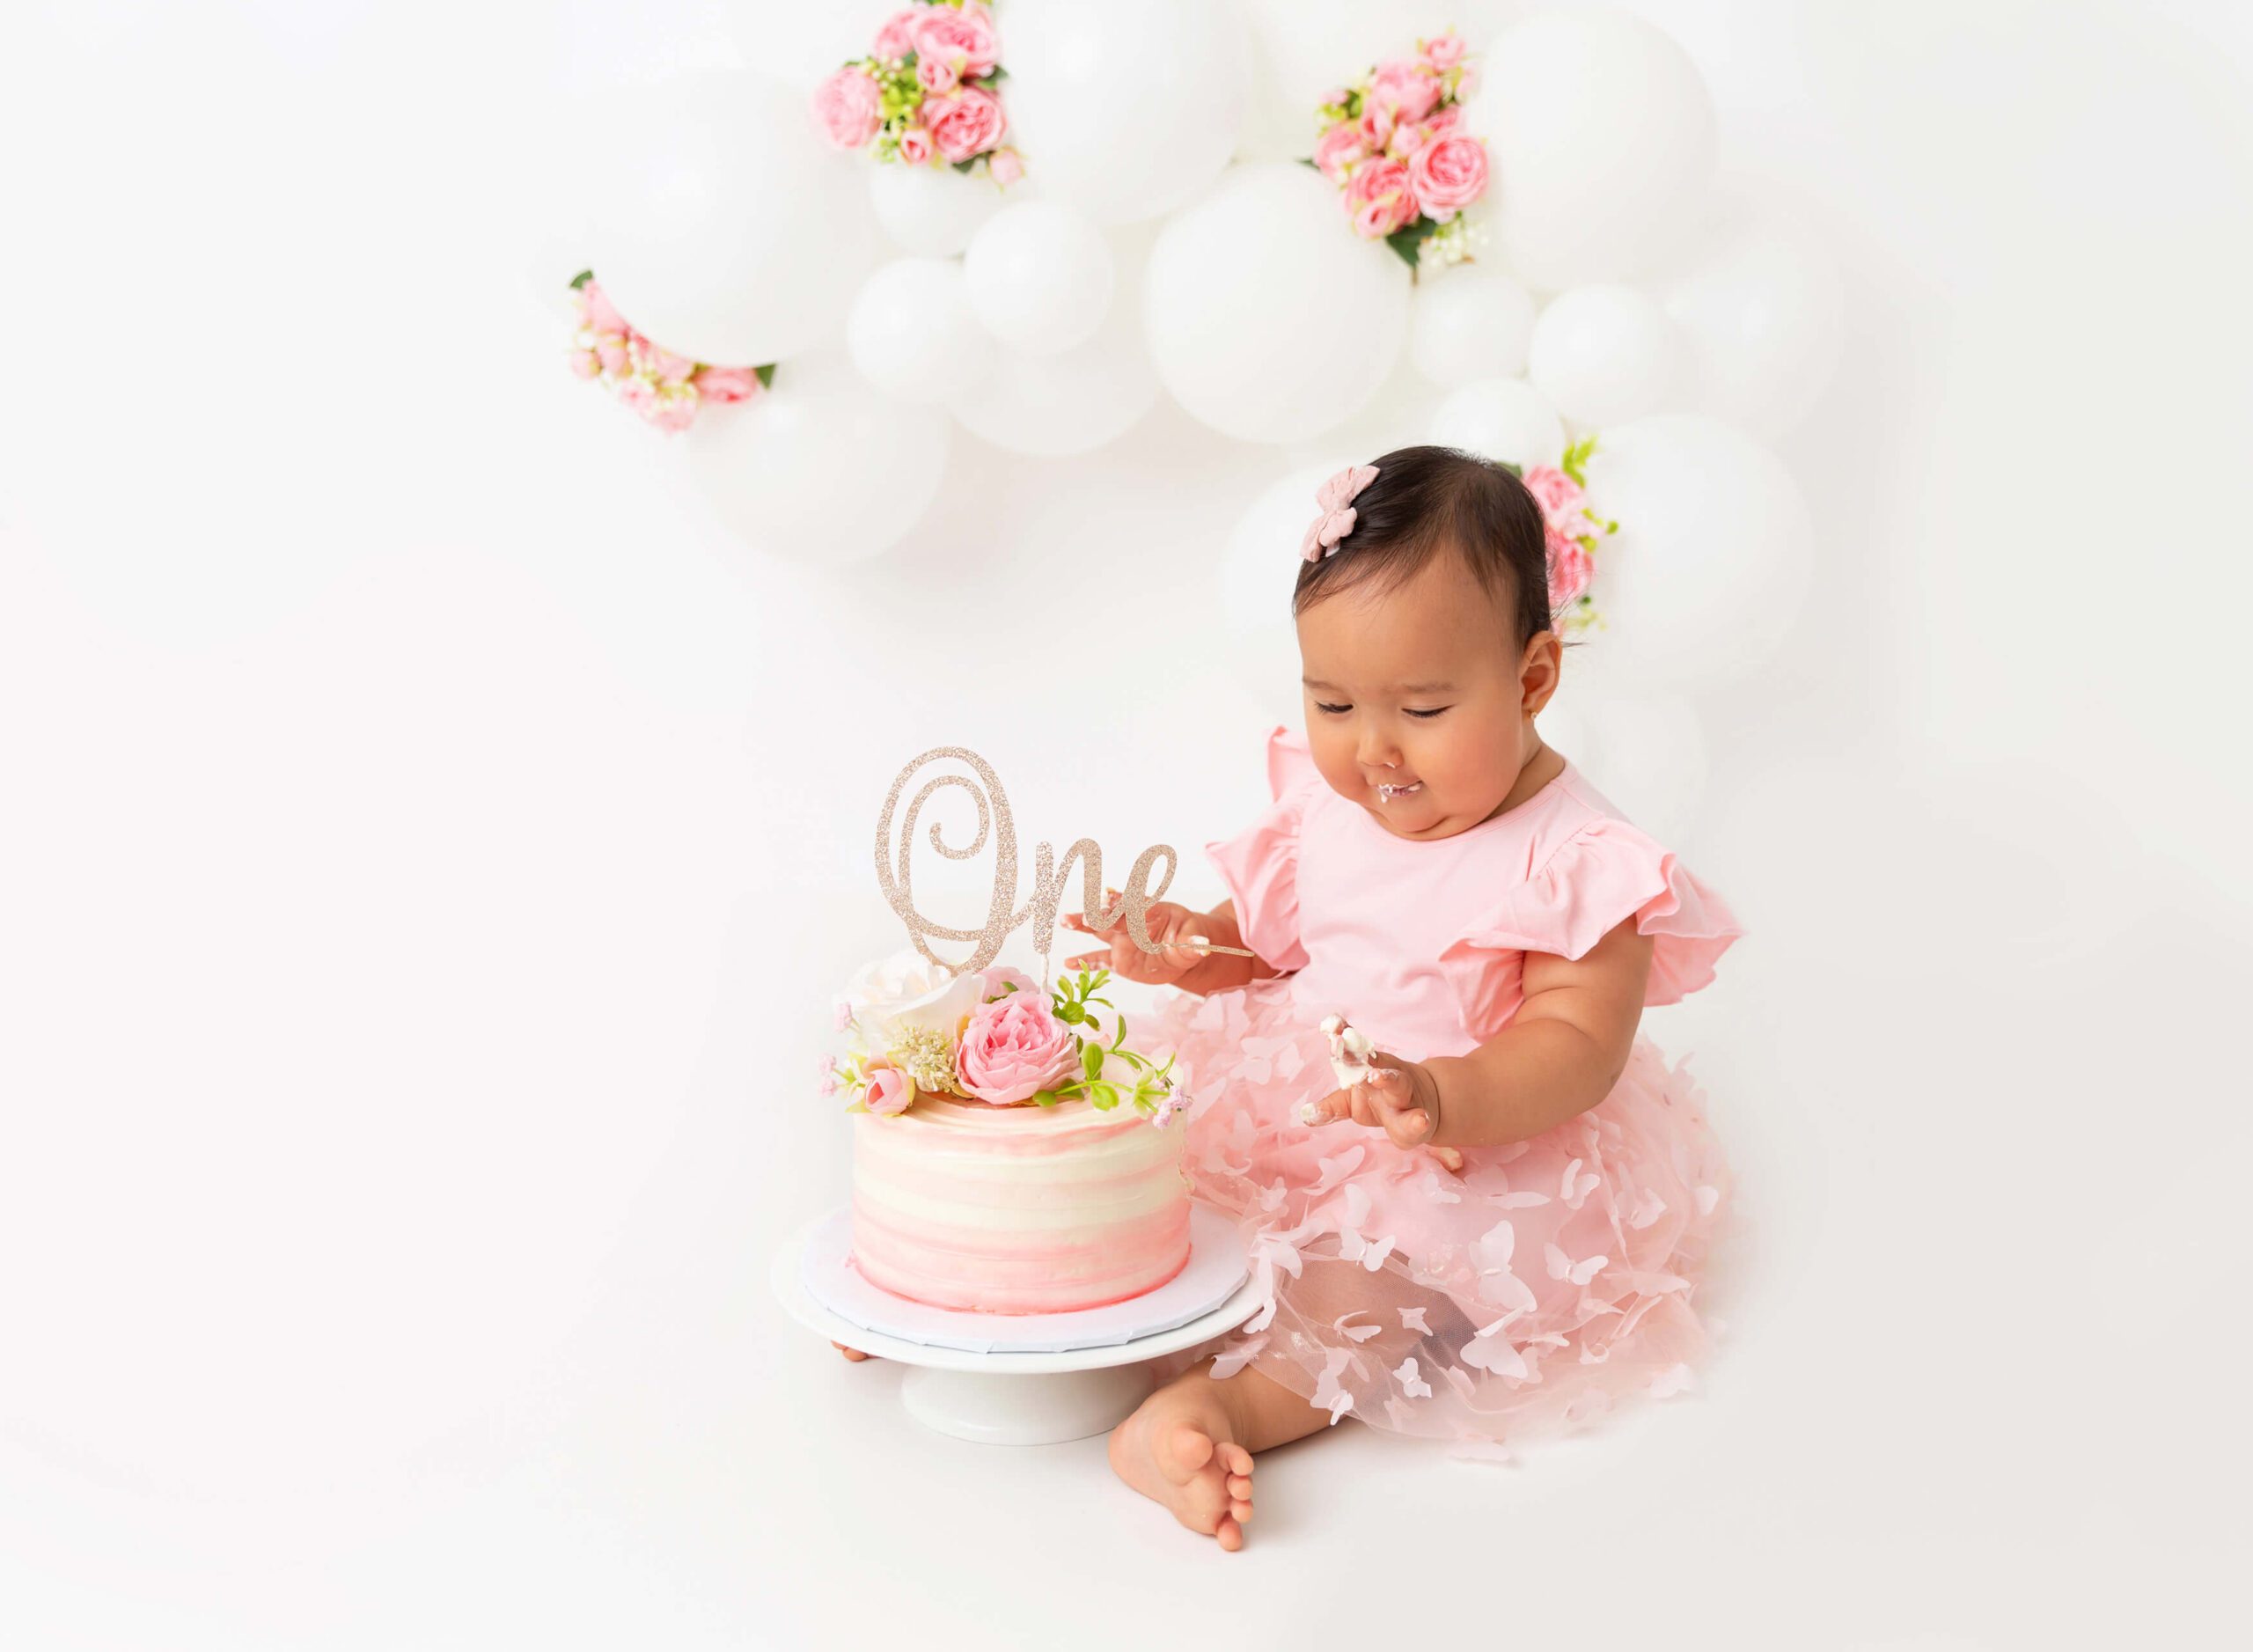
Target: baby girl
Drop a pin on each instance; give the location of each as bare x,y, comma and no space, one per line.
1499,1230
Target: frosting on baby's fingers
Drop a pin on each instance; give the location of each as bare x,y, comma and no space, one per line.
1350,1050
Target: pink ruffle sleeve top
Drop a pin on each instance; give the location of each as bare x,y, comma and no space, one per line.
1421,943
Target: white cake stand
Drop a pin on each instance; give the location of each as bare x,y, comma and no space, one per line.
999,1395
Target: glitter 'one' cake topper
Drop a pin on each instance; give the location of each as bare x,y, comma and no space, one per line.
1048,878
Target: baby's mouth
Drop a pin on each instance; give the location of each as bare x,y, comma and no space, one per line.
1386,793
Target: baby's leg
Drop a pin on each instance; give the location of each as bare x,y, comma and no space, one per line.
1189,1445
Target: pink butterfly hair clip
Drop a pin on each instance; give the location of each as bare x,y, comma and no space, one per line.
1336,498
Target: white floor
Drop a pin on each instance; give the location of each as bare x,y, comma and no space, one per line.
430,845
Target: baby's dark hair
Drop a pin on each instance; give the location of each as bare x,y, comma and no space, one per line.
1425,501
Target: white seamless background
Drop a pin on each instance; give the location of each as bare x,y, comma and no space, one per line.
429,843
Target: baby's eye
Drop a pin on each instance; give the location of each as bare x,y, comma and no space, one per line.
1434,712
1333,710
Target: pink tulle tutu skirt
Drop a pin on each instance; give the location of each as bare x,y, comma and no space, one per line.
1521,1298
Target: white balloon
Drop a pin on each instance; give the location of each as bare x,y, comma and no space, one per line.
722,226
1603,354
1601,136
1269,319
1760,308
1470,324
1646,752
912,334
1127,111
1710,566
1257,572
1502,419
798,43
1075,400
933,210
1040,277
1396,415
821,469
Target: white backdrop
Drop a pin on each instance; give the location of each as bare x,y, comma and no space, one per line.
431,842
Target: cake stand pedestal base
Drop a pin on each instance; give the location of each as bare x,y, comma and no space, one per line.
1002,1396
1022,1410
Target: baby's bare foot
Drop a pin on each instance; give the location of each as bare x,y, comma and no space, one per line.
1179,1449
850,1354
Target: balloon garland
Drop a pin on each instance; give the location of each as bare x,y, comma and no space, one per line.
1532,234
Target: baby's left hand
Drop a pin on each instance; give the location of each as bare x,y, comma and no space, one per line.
1401,1099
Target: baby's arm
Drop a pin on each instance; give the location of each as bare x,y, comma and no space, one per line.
1559,1057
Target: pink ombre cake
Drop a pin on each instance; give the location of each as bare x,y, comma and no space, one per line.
1017,1210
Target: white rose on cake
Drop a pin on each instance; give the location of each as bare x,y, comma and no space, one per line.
907,991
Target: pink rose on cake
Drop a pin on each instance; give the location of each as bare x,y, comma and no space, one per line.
1013,1047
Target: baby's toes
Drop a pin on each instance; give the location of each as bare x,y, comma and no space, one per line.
1189,1450
1231,1532
1203,1503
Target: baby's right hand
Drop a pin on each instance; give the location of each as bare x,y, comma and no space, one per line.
1174,927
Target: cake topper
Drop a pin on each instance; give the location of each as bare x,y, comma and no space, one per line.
1049,876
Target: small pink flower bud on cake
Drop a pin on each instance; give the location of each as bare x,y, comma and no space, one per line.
1001,975
891,1091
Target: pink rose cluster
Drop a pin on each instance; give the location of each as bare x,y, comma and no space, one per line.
665,388
1573,531
926,93
997,1037
1393,144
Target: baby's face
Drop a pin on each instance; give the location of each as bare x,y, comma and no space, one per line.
1421,690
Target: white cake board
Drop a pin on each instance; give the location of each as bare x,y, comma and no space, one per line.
1014,1395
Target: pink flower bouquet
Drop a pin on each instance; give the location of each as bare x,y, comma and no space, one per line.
927,94
1562,491
995,1038
666,389
1393,144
